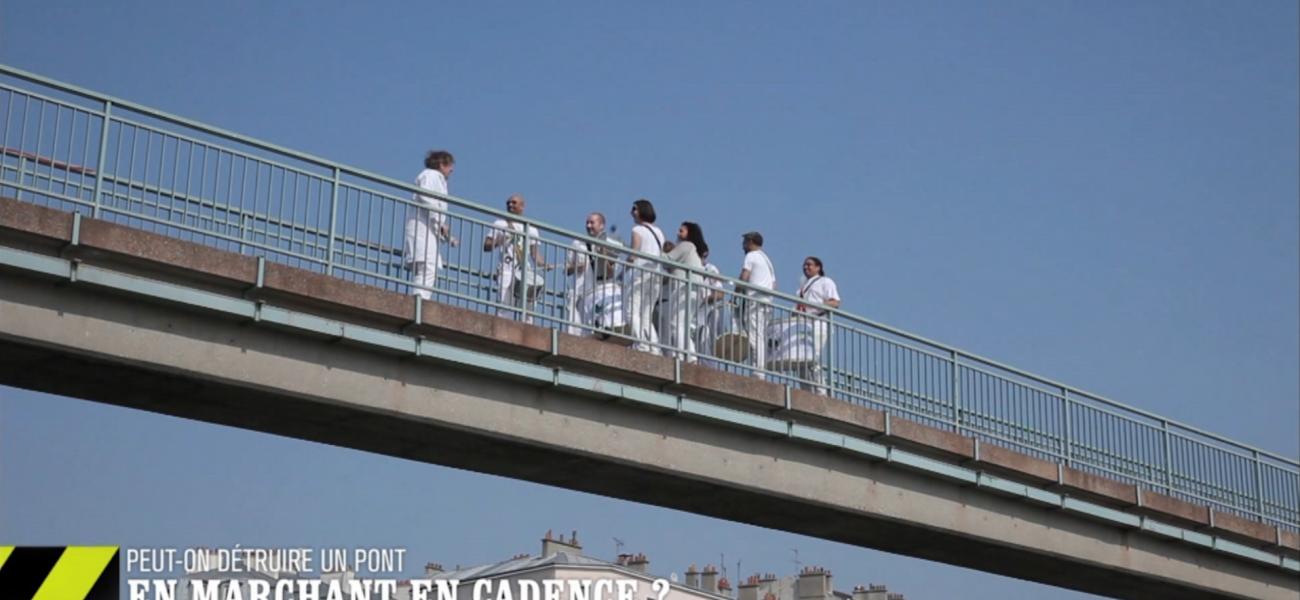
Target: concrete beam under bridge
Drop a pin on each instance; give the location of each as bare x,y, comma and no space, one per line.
78,341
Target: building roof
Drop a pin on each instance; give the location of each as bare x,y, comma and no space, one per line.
528,563
561,558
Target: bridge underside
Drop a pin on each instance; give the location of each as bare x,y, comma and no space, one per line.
77,341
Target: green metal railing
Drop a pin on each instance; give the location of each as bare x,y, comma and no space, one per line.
77,150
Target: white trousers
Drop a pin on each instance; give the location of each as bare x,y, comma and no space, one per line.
423,277
572,314
420,245
820,331
756,317
673,321
511,292
640,295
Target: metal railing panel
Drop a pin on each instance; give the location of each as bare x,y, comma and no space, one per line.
72,149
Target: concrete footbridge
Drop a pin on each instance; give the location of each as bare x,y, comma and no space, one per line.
157,263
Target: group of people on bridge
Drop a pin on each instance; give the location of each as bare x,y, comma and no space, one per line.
664,298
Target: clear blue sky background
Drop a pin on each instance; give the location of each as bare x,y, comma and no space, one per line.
1104,193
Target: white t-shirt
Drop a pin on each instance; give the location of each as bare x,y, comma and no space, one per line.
650,240
761,273
512,247
580,256
818,290
713,283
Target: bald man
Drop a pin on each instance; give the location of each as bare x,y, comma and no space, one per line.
586,269
509,236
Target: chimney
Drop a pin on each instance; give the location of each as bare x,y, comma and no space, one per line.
748,590
639,563
551,546
877,592
692,577
432,569
814,584
724,587
709,579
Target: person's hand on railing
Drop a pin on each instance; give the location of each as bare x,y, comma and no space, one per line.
444,232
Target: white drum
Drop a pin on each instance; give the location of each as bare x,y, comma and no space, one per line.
602,308
791,345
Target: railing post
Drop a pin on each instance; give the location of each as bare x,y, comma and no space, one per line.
525,253
1067,433
245,231
688,332
1259,485
1169,471
334,215
956,393
830,354
103,158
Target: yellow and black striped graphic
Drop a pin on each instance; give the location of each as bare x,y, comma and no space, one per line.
58,573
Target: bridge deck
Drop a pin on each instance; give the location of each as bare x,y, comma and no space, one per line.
53,233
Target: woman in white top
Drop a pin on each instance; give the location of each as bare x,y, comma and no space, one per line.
817,291
673,316
642,281
427,224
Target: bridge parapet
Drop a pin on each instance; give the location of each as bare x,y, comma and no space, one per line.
341,229
95,242
86,301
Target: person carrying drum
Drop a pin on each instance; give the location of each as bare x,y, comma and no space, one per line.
590,266
511,236
758,272
641,281
427,225
817,290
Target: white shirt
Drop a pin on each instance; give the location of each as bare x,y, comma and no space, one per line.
712,268
761,273
818,290
512,244
434,181
650,240
580,260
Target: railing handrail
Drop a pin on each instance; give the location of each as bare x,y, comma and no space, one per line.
1076,395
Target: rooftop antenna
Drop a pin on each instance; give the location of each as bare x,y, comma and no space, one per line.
618,546
797,563
722,563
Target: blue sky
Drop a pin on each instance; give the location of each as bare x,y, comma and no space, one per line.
1103,193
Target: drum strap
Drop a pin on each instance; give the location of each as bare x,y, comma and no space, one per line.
803,292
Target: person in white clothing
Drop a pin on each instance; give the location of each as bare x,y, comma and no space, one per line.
758,272
588,265
677,317
709,306
817,291
641,281
518,283
426,224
